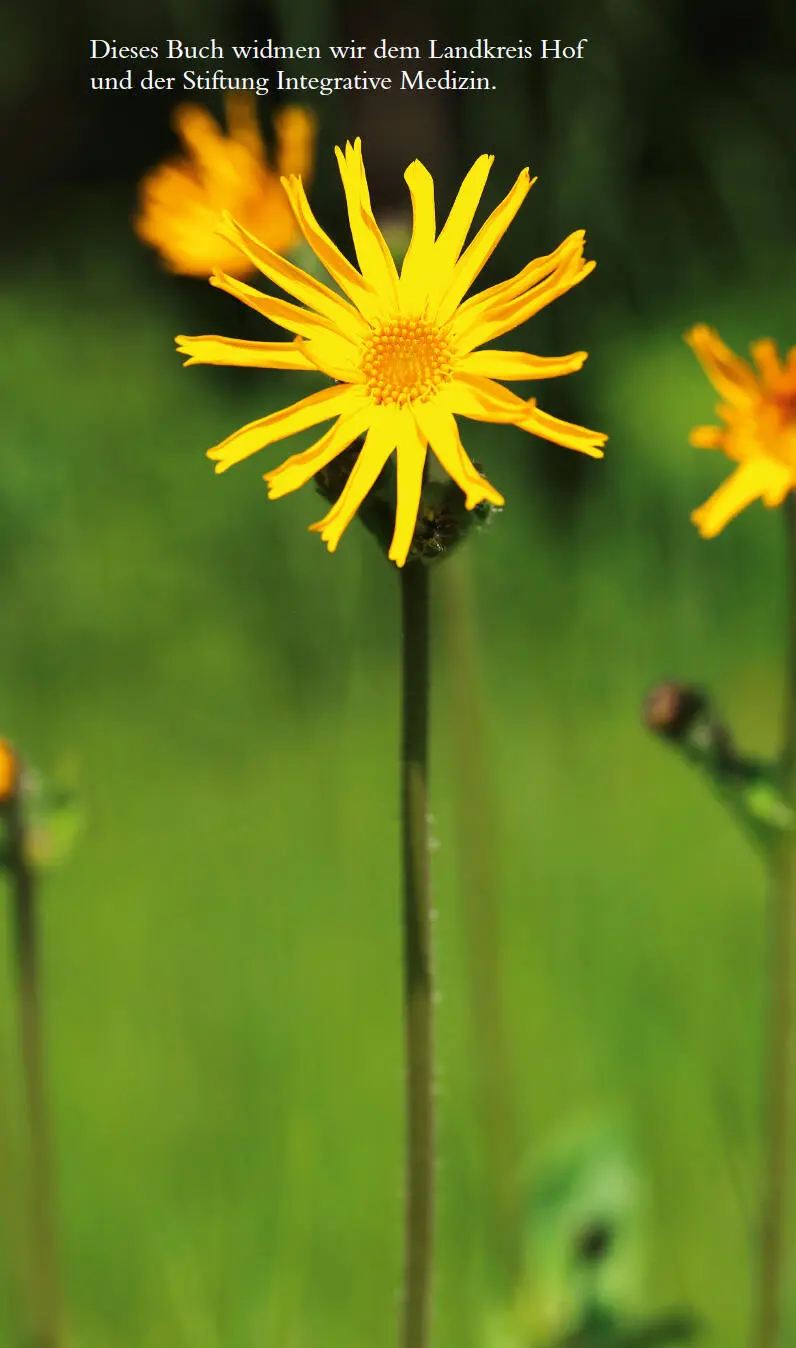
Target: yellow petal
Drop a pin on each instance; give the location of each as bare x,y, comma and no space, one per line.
478,253
731,376
439,428
766,358
411,458
755,478
177,217
485,303
378,446
295,281
531,275
330,357
499,318
296,131
517,365
564,433
299,468
374,257
358,290
173,187
455,230
707,437
242,123
330,402
778,488
177,226
201,135
290,316
482,399
235,351
417,263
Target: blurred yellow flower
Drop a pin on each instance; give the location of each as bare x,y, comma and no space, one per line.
181,201
758,409
402,352
8,771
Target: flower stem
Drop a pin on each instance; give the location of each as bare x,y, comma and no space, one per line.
45,1331
774,1262
418,971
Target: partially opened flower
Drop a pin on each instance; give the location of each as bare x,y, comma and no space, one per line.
758,409
8,771
182,200
399,346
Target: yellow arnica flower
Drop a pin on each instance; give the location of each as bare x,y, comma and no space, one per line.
181,201
758,409
8,771
400,346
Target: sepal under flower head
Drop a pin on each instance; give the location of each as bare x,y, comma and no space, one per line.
443,519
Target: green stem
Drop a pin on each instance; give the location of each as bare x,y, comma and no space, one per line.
45,1332
418,971
774,1262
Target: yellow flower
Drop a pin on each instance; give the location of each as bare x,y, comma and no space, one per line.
401,347
759,431
181,201
8,771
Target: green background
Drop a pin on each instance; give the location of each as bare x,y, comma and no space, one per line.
223,945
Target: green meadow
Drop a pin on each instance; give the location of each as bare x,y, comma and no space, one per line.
222,944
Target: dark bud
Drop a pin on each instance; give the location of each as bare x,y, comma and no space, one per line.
687,718
672,708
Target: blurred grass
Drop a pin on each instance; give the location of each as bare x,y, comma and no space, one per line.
222,951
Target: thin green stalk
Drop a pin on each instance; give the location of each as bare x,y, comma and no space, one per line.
418,970
779,1065
478,851
13,1254
45,1329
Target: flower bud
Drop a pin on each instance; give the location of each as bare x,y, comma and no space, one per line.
672,708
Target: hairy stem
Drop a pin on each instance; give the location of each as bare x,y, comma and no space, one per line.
45,1328
418,969
768,1330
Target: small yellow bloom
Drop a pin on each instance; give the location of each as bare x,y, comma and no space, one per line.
181,201
8,771
758,409
400,346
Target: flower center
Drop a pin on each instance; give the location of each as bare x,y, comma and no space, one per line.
786,406
406,360
778,426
